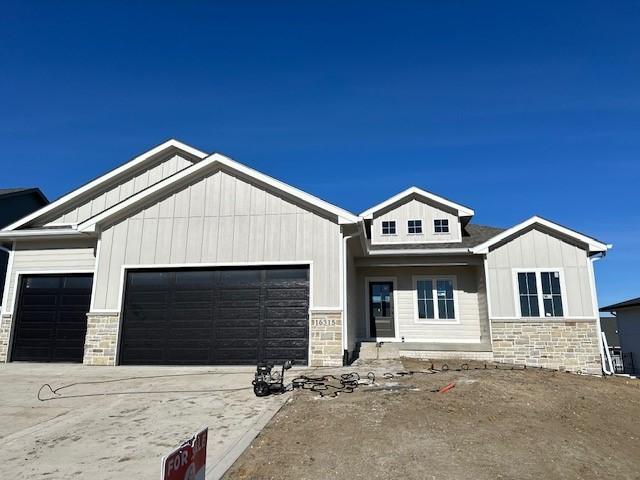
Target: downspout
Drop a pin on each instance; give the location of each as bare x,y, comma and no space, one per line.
345,345
605,359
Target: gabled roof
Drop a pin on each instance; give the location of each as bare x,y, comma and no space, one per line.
209,164
634,302
593,244
461,210
165,147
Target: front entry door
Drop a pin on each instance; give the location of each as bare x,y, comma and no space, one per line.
381,310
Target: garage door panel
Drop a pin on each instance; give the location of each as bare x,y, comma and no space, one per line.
51,318
216,316
29,300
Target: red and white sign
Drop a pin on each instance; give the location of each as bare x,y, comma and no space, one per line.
187,462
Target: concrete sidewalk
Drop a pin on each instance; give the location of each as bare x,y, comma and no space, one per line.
117,422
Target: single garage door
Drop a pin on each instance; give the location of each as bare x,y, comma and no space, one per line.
230,316
51,319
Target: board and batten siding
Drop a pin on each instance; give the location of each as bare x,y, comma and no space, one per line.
473,326
119,191
220,219
538,249
48,256
415,209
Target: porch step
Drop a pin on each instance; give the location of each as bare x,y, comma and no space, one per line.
379,351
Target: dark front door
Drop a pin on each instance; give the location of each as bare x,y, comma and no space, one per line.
381,309
51,319
233,316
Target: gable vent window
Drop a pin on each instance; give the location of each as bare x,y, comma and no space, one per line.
441,226
414,226
389,227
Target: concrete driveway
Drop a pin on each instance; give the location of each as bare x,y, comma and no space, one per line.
117,422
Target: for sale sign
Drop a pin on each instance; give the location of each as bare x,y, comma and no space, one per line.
188,461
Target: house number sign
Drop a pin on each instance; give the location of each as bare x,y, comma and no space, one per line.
324,322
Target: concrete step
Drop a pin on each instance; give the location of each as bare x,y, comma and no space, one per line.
379,351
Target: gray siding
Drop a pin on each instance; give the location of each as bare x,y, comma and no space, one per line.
629,333
50,255
415,209
473,326
538,249
118,191
221,219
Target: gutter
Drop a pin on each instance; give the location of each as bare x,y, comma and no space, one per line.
605,358
40,233
345,239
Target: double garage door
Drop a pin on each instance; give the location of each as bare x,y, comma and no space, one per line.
234,316
230,316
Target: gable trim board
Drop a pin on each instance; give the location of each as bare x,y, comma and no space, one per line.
123,169
593,244
210,163
461,210
120,245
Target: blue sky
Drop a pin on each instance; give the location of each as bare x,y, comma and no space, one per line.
512,108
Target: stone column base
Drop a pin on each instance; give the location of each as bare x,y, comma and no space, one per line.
326,339
101,341
6,321
560,345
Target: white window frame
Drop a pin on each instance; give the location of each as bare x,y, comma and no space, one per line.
448,232
538,271
437,320
420,225
395,227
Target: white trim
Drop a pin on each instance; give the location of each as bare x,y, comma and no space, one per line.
54,271
461,210
169,144
593,244
344,294
95,276
396,326
487,292
395,228
436,313
538,271
41,232
213,161
415,251
4,301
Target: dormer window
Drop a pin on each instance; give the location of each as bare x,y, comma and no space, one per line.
441,226
414,226
389,227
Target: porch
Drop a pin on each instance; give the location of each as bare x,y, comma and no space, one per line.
418,307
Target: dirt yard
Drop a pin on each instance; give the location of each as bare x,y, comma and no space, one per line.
495,424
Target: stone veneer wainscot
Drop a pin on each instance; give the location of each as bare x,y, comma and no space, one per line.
101,340
564,345
326,339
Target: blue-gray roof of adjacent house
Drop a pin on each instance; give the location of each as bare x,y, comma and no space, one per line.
634,302
5,192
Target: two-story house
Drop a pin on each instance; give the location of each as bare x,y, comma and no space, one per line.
184,257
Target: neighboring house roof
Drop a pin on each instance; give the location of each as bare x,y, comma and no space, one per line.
472,235
461,210
593,244
634,302
9,192
169,145
609,326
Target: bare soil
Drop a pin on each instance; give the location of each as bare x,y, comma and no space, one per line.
495,424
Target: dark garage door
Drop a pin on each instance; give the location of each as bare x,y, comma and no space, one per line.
232,316
51,320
